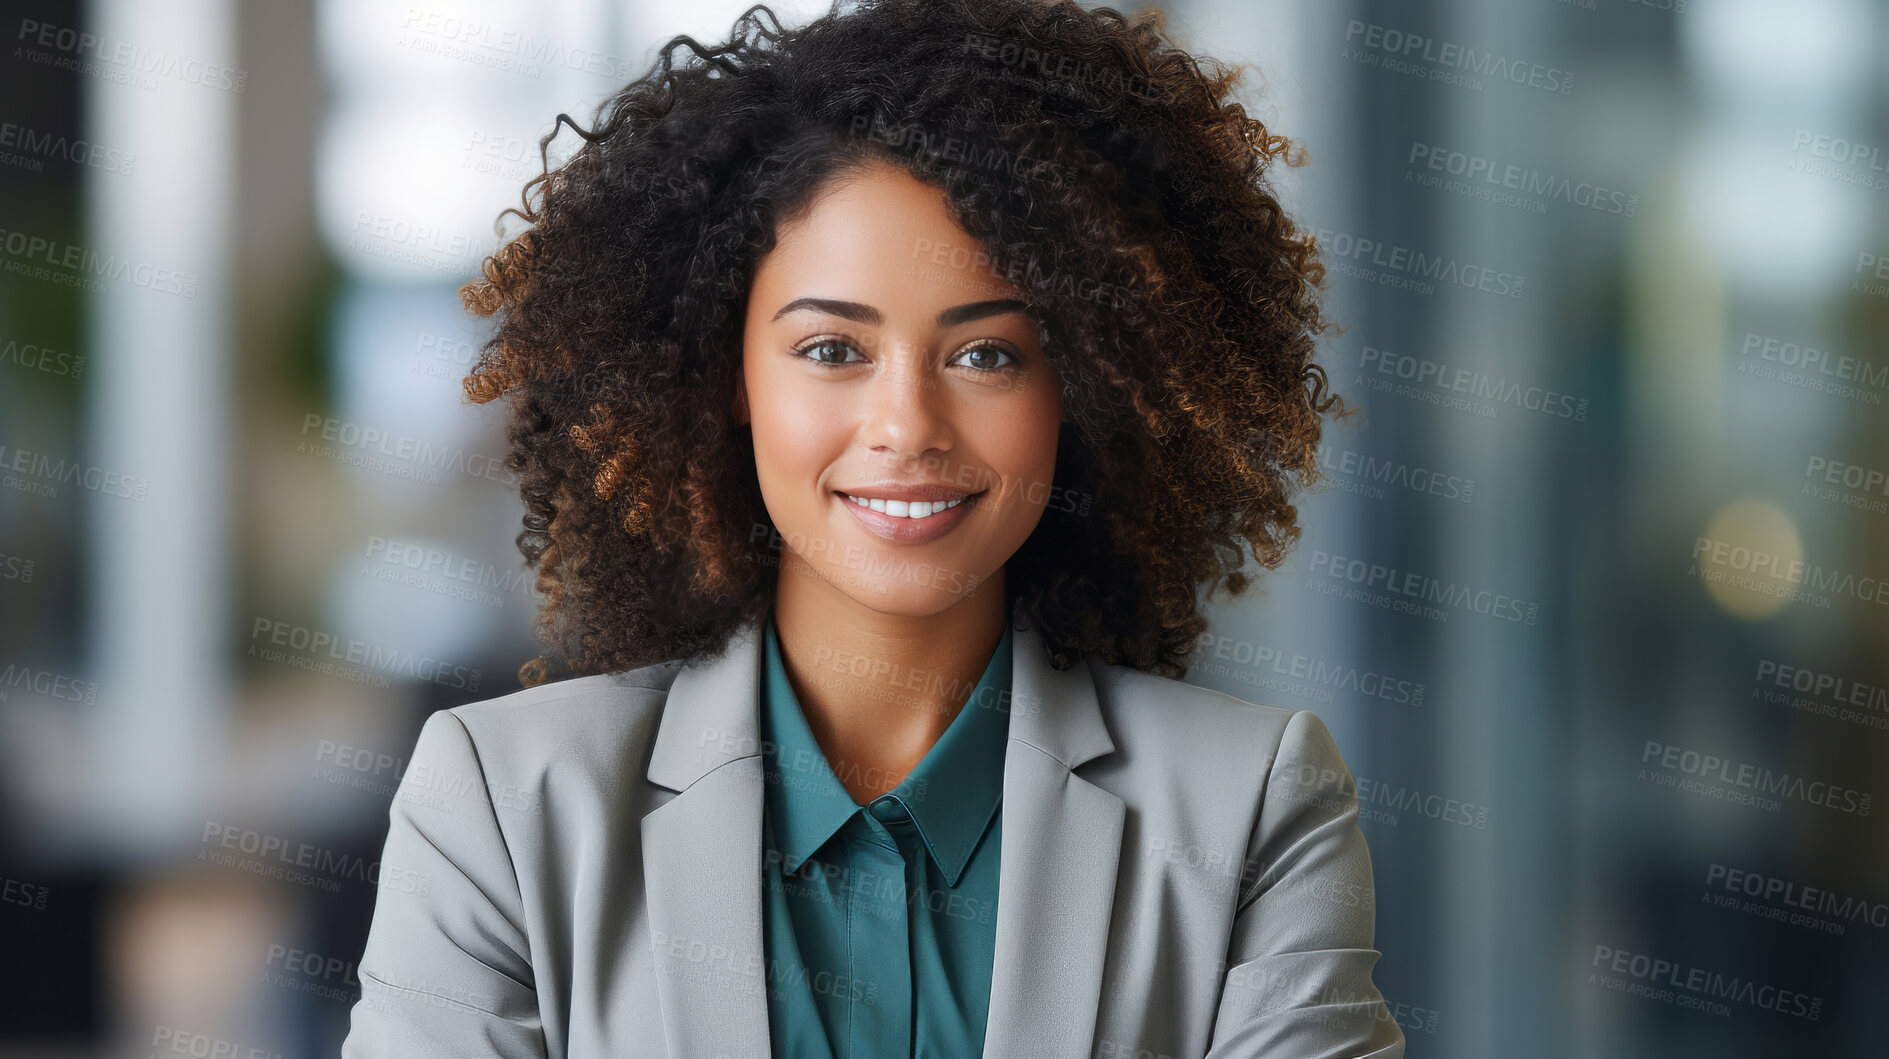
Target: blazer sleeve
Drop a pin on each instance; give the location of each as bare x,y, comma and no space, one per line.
446,971
1298,981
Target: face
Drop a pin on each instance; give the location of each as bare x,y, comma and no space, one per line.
883,359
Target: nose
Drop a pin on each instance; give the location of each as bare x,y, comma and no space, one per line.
906,412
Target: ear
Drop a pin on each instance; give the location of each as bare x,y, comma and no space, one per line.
741,399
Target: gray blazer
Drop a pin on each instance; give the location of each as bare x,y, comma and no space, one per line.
574,870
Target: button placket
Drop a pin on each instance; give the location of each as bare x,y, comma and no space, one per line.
880,939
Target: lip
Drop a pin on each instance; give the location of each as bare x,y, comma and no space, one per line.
901,530
891,490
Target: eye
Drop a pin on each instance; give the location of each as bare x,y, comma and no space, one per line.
823,343
990,349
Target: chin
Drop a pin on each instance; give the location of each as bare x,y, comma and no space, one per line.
896,596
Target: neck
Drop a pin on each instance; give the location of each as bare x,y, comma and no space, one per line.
878,689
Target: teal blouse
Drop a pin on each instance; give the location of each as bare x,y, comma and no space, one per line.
880,921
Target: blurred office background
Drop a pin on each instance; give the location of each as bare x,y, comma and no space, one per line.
1615,307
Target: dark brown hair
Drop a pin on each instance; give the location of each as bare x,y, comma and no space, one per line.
1097,165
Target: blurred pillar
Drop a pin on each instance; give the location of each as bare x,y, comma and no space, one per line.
158,408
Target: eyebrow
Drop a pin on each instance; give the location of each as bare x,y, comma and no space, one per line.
866,314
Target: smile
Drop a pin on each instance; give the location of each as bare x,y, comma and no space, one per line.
906,509
909,521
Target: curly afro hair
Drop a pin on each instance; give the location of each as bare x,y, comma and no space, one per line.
1107,167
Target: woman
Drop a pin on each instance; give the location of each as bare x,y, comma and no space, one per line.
885,391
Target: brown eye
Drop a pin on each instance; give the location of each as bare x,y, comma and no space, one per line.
990,351
821,347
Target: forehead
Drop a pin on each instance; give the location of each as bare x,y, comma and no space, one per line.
881,236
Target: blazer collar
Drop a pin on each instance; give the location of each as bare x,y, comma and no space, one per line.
952,794
1060,850
713,715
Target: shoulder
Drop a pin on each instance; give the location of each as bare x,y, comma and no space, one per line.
1212,776
1198,762
579,725
1169,721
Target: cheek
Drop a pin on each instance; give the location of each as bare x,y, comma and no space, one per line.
1022,447
1036,430
794,438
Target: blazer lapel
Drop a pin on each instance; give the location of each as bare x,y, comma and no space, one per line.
702,858
1060,850
1062,841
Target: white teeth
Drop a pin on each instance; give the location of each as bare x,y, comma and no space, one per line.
905,508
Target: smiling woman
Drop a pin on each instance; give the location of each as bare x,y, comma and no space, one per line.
885,393
870,406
